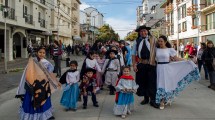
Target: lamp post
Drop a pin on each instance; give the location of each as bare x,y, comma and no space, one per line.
5,9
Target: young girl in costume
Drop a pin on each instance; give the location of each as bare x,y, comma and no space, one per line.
71,92
36,93
125,88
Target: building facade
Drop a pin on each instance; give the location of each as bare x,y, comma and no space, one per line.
190,21
27,23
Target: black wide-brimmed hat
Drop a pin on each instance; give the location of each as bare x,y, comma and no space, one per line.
142,27
114,51
90,70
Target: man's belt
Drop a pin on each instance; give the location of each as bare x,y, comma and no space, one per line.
163,63
143,61
110,69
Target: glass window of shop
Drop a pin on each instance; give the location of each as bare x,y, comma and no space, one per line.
209,23
210,37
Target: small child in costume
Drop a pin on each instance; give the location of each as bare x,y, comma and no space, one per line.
100,60
111,70
71,91
88,85
125,88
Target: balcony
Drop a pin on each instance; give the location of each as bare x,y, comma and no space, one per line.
29,18
207,6
74,6
43,2
208,26
42,23
10,14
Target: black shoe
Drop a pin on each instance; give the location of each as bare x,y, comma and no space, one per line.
66,110
206,78
111,93
209,86
96,105
84,107
145,101
154,104
51,118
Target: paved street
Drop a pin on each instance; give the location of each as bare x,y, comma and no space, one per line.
195,103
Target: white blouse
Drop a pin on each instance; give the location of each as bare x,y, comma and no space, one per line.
163,55
72,77
93,64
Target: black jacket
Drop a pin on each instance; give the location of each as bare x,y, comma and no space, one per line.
207,57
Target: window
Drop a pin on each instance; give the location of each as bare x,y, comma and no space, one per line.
25,10
184,11
68,10
195,21
172,18
179,28
179,13
184,26
68,25
209,21
172,29
39,17
195,2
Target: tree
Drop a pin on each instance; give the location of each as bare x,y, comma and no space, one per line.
132,36
106,33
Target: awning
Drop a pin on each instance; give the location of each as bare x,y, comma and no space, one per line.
76,37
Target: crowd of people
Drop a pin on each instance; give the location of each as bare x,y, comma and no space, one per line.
159,75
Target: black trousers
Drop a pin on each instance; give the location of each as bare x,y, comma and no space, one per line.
85,97
146,78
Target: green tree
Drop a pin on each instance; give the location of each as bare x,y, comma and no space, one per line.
132,36
107,33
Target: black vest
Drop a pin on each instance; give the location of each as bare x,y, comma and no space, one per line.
145,53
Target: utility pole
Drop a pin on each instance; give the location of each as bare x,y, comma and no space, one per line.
177,30
5,39
58,22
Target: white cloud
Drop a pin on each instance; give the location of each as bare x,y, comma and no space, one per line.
84,5
121,26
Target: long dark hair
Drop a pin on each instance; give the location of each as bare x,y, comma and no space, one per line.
209,42
168,45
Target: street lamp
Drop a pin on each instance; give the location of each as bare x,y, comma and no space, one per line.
6,10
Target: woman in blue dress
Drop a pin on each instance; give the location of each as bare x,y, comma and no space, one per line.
128,55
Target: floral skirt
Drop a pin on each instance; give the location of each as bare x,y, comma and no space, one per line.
27,111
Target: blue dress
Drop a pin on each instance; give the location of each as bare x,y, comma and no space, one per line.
27,110
125,99
128,56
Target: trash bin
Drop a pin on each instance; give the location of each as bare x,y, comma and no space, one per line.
67,62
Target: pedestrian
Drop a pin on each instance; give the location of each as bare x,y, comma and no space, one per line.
186,50
181,50
57,57
70,95
111,70
144,48
208,60
35,92
100,60
128,55
14,50
199,60
172,77
125,88
88,86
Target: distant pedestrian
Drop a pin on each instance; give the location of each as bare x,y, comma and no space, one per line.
57,57
181,50
71,91
125,87
199,60
208,57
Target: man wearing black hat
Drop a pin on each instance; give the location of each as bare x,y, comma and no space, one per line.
145,67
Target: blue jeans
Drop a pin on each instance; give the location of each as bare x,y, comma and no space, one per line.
200,64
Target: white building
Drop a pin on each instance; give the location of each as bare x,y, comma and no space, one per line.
182,20
27,22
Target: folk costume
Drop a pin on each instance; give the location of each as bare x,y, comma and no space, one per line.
88,85
173,77
37,84
99,77
71,91
144,49
128,55
124,100
111,70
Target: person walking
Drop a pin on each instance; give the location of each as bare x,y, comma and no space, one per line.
144,48
172,77
57,57
181,50
208,59
199,60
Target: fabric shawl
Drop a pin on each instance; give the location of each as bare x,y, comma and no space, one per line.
42,82
152,50
122,77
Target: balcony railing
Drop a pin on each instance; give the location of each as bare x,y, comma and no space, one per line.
28,18
42,23
208,26
75,6
43,2
10,13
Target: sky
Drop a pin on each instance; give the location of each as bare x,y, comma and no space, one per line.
119,14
